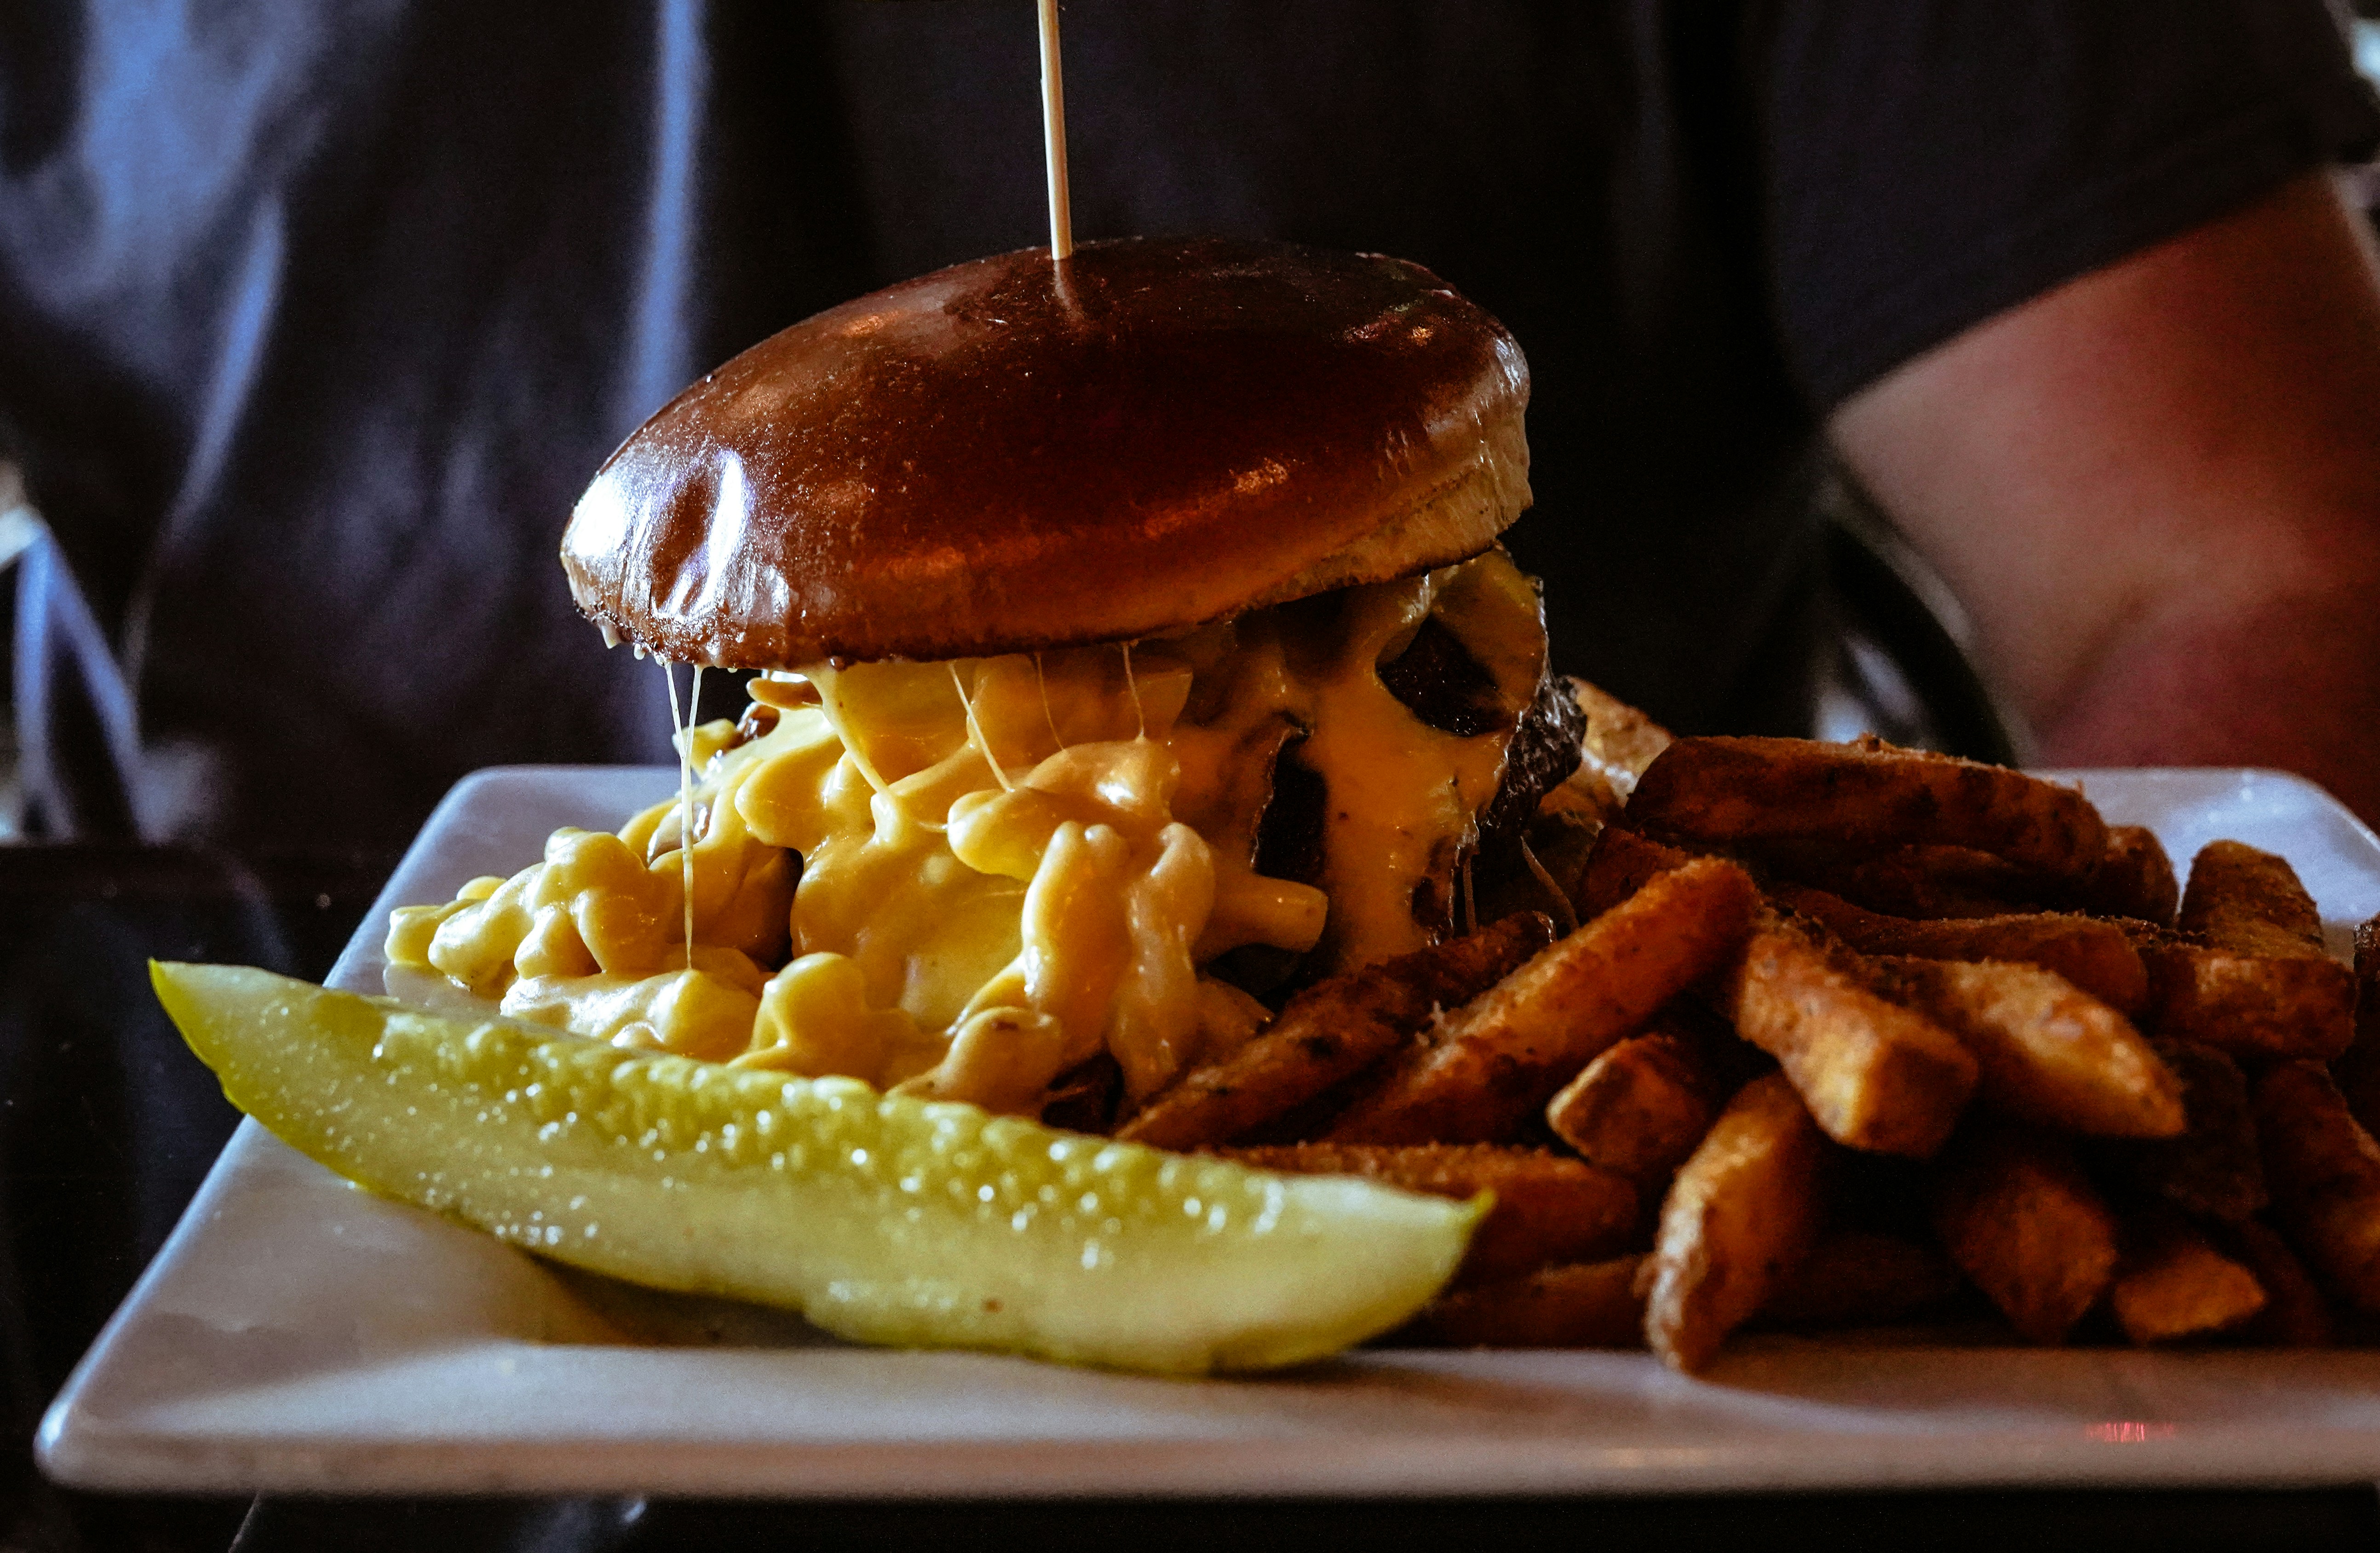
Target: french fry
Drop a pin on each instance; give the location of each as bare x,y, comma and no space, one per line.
2017,1215
1590,1305
1623,863
2048,1052
2359,1071
2096,957
1548,1208
1640,1108
2258,980
1921,882
2172,1283
2249,1005
2213,1167
2295,1314
1737,1222
1875,1074
1866,796
1496,1061
1329,1033
2250,903
1860,1278
2134,878
2325,1172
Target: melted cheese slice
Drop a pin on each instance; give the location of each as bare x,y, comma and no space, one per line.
968,877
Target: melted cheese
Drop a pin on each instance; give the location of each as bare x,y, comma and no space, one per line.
968,877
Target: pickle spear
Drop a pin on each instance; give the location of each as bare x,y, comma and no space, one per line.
879,1218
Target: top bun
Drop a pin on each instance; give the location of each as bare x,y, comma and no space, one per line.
1010,454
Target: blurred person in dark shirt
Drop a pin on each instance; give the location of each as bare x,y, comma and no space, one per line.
314,319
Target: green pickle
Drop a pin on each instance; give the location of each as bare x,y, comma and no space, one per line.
882,1218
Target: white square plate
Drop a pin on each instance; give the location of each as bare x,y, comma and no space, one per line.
298,1335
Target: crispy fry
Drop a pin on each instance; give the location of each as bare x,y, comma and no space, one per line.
2359,1071
2249,902
1877,1075
2096,957
1590,1305
2172,1283
1736,1224
1623,863
2048,1053
1548,1208
1640,1108
2261,983
1859,1277
1496,1061
2325,1171
2015,1212
2252,1005
1329,1032
2295,1314
2134,878
1866,796
1920,882
2212,1167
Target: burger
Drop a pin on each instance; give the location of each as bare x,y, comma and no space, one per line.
1130,643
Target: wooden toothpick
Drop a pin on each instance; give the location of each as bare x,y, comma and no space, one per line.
1054,134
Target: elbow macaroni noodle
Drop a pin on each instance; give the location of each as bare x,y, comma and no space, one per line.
966,879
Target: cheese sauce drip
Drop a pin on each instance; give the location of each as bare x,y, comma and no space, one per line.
966,879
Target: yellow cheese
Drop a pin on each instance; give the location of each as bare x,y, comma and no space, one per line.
964,879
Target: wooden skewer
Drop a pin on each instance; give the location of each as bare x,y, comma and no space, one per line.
1054,134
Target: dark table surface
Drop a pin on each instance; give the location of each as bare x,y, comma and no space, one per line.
107,1125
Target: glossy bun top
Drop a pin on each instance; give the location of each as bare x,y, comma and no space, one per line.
1010,454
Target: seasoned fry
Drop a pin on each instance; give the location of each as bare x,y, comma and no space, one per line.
2016,1213
2359,1071
2213,1167
1623,863
1590,1305
1859,1277
1866,796
1548,1208
2096,957
1498,1060
1736,1224
2252,1005
2295,1314
2134,878
2172,1283
2325,1171
2263,983
1329,1032
2250,903
2048,1053
1920,882
1640,1108
1877,1075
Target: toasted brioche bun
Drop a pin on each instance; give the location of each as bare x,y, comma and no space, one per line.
1005,456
